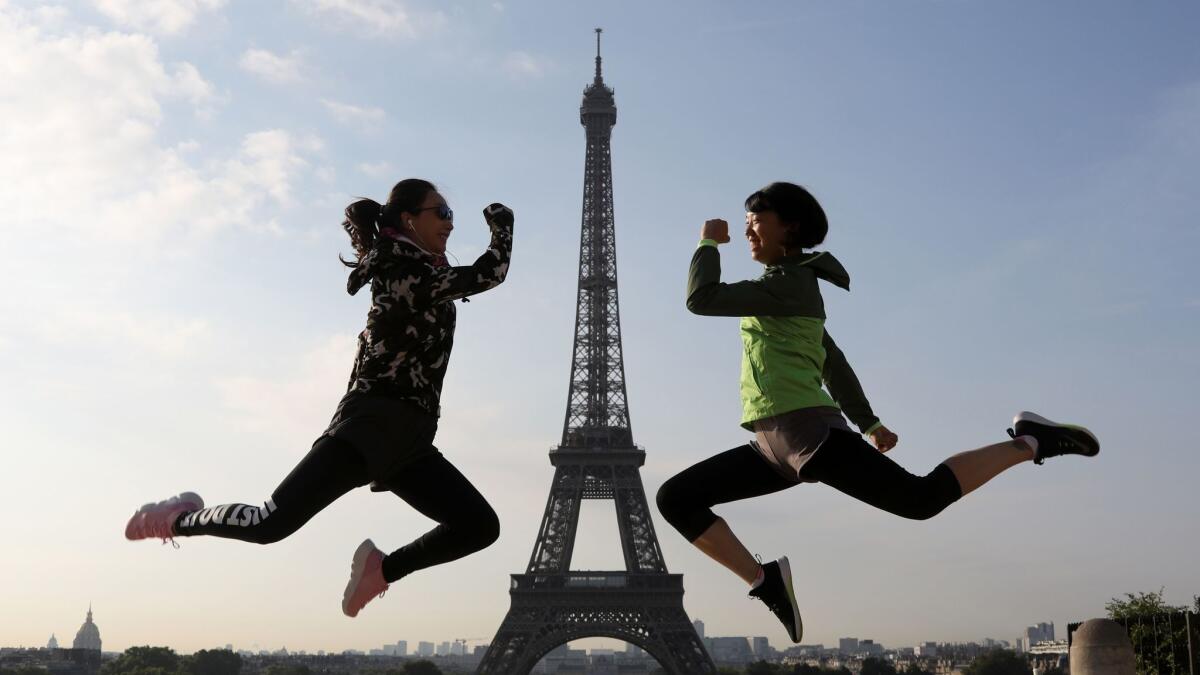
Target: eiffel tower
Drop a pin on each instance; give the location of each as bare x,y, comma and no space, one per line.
643,604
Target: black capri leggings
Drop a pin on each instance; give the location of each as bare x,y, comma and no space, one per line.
431,485
844,461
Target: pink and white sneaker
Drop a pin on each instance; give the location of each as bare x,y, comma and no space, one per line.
366,579
157,520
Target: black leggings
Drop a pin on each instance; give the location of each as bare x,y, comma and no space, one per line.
844,461
431,485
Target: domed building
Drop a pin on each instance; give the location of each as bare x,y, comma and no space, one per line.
53,643
88,636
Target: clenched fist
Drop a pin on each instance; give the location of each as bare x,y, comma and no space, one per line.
498,215
715,229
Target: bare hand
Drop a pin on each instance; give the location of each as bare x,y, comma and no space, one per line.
884,439
715,229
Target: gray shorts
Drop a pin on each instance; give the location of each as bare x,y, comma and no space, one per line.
788,441
389,433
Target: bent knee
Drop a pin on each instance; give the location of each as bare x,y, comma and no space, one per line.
489,529
671,500
923,511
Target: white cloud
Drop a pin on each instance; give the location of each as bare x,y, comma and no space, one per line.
163,336
523,65
164,17
352,114
299,391
273,67
82,152
376,17
376,169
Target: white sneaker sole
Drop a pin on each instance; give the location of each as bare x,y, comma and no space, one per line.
134,532
785,570
358,567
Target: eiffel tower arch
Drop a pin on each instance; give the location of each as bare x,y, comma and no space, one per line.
597,459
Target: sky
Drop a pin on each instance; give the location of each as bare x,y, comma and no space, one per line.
1012,187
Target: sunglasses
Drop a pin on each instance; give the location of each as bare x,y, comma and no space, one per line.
443,211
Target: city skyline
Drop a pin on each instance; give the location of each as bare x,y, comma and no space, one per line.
1010,188
442,647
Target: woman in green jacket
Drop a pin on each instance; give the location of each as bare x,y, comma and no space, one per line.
800,434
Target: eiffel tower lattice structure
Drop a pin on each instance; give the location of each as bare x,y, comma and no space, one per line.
597,459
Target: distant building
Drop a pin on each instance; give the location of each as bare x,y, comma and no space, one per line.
53,643
443,649
927,650
729,649
848,645
699,626
424,648
88,636
400,648
1043,632
870,648
761,647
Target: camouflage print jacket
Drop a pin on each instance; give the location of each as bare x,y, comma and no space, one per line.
406,345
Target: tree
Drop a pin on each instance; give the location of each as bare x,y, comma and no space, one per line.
762,668
1157,630
144,660
998,662
805,669
281,669
421,667
874,666
1139,605
213,662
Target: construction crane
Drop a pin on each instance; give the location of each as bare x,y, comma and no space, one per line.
464,641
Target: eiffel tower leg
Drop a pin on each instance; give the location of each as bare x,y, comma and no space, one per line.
638,540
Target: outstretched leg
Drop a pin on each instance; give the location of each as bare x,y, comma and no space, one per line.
331,469
848,463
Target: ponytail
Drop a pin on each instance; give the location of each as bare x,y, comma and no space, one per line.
362,224
367,219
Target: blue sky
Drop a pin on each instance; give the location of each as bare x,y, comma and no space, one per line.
1012,187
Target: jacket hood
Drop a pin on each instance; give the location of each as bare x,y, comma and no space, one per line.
823,264
386,253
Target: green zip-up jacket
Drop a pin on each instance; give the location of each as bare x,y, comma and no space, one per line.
786,352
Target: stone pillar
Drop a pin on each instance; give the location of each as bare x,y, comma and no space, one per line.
1101,647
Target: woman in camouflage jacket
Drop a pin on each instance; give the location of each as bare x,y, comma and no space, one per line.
383,430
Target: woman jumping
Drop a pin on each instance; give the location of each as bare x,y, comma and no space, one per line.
382,432
800,435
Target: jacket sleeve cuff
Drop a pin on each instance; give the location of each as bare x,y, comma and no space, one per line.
708,242
872,428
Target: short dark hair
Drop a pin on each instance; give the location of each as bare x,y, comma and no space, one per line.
797,209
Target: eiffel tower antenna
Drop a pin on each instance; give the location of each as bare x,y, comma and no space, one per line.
597,459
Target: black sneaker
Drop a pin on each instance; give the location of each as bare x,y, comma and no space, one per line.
776,593
1054,438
